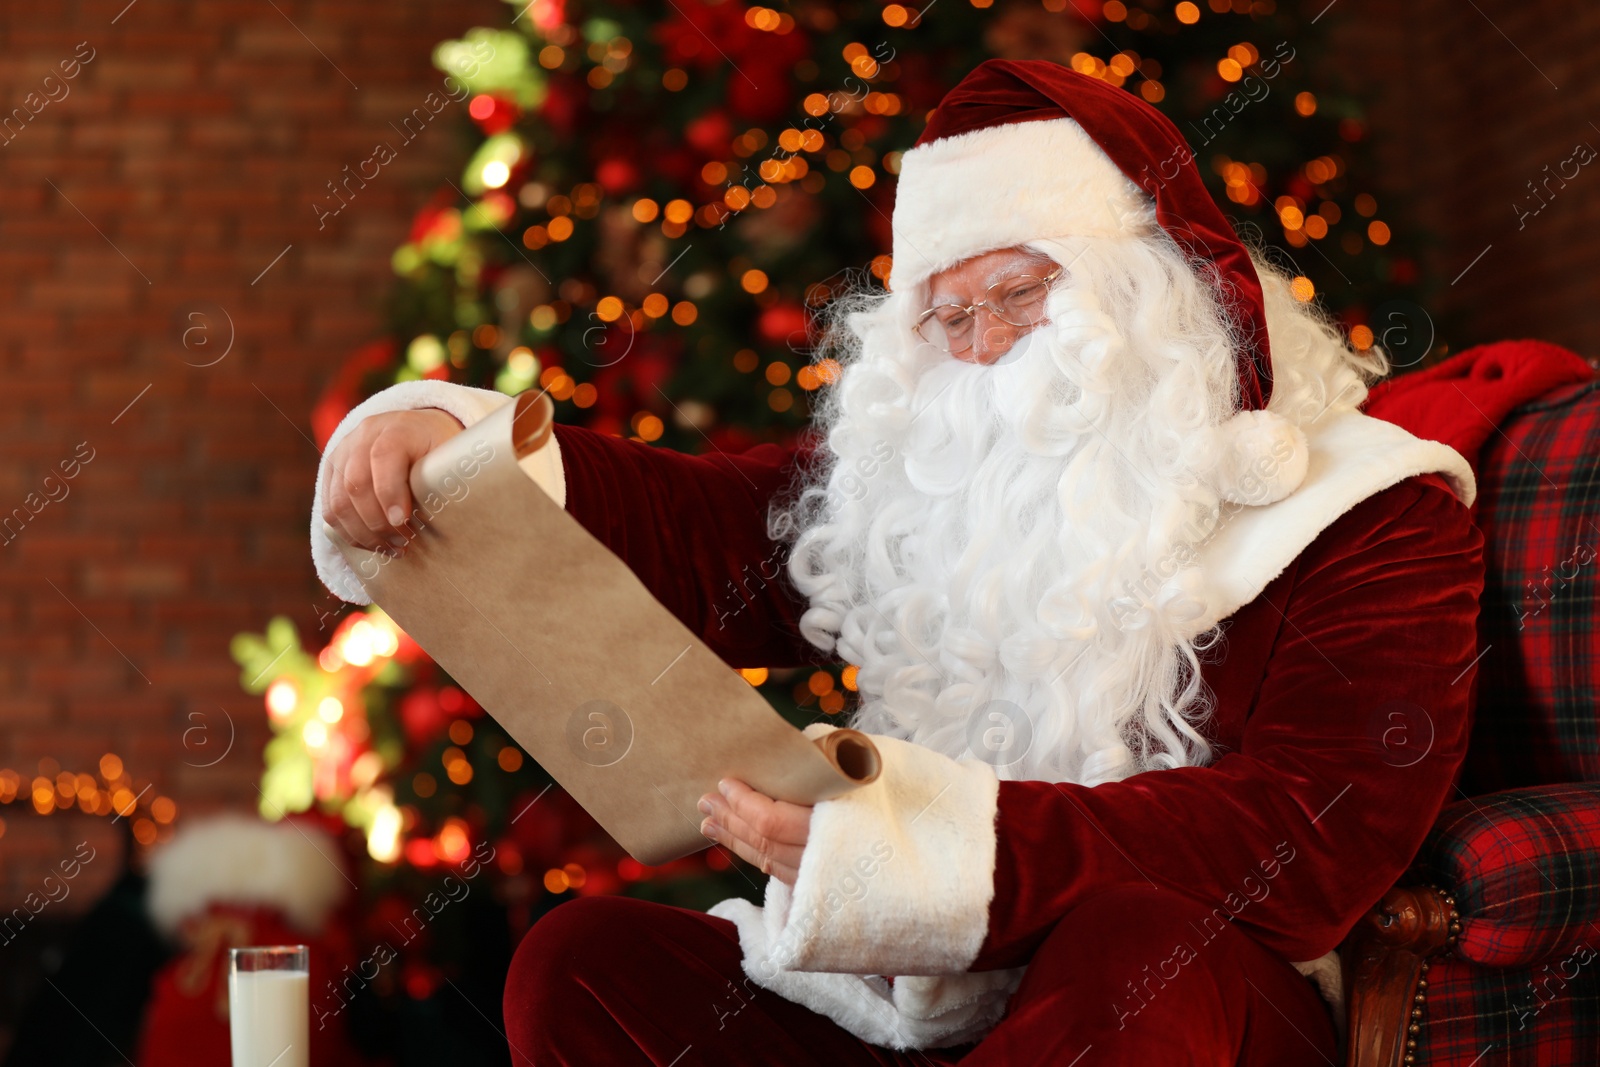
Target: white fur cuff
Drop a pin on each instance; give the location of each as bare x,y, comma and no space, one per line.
916,1012
896,879
469,405
897,876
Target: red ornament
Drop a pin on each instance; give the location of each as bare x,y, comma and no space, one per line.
436,213
493,112
419,852
422,717
784,323
409,651
458,703
617,176
711,134
546,15
498,206
420,979
600,882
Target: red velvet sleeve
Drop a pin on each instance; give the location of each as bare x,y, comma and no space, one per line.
694,531
1357,732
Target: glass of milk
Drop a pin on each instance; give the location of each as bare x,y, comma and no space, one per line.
269,993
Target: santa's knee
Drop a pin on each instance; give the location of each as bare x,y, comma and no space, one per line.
547,993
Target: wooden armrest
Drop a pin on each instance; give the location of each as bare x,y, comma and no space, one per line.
1385,963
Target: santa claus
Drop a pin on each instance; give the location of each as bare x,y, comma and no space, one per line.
1167,647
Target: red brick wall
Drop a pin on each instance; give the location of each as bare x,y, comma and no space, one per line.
195,141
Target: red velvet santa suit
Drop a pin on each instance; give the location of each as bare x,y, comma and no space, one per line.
1173,916
1343,698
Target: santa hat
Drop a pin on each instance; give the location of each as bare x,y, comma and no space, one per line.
291,866
1054,153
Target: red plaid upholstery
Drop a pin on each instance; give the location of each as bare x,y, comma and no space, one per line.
1539,508
1524,868
1523,984
1547,1016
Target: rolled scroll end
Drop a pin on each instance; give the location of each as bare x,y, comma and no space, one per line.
532,422
853,753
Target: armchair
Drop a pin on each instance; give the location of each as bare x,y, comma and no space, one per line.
1488,952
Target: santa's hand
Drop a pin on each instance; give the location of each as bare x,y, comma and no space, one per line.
768,833
367,497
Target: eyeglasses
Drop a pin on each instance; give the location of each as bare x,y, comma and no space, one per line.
1017,301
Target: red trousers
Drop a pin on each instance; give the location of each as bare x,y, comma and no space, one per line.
1127,977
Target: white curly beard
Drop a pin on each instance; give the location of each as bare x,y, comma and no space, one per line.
1000,548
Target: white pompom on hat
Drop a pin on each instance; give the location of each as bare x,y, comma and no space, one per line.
1263,458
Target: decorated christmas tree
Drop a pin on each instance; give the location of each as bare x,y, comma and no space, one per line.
657,201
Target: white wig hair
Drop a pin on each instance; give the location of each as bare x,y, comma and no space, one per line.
980,540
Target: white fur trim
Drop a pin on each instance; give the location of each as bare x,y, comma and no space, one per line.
1264,458
1002,186
1328,974
468,404
916,1012
896,879
1350,457
242,859
897,875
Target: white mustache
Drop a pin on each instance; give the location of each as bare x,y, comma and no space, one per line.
1029,395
